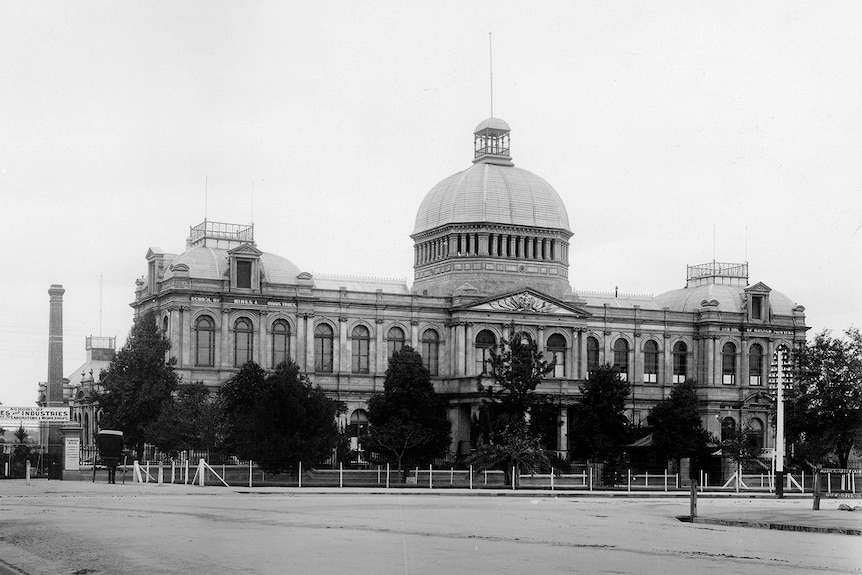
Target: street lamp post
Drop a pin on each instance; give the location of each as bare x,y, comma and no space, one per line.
779,427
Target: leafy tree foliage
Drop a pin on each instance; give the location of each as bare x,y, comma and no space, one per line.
676,426
191,421
138,383
408,420
599,426
278,419
506,433
823,410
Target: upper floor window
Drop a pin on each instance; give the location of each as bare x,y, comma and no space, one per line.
592,354
204,341
557,349
485,342
323,348
280,342
621,358
360,341
394,340
431,350
680,362
757,307
728,364
243,341
755,365
650,362
243,273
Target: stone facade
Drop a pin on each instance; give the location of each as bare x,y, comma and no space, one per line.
491,249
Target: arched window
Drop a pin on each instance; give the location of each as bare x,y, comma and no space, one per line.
243,334
360,340
431,350
728,364
754,430
205,341
592,354
621,358
728,429
280,342
323,348
557,349
651,362
394,340
755,365
680,362
485,342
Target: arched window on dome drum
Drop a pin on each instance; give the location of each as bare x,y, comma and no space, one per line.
431,350
280,342
323,348
394,340
755,365
728,364
243,334
592,355
621,358
680,362
360,341
205,341
485,342
650,362
557,350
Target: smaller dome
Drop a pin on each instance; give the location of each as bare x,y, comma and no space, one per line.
728,297
493,124
208,263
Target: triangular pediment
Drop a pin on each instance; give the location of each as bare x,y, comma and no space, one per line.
246,250
526,301
759,287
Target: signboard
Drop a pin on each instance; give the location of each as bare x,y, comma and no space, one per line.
71,455
16,414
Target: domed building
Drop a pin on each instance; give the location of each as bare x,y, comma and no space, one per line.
491,253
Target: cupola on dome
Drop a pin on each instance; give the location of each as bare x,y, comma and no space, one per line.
493,190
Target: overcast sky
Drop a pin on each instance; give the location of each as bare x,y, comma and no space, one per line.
675,132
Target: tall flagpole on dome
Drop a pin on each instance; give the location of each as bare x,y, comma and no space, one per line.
491,68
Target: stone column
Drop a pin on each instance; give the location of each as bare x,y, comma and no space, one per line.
469,348
223,356
343,361
309,342
379,350
460,351
264,346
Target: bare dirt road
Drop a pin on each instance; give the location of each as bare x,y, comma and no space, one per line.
76,528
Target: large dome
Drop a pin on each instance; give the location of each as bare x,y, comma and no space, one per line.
495,194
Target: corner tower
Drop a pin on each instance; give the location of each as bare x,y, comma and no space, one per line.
492,227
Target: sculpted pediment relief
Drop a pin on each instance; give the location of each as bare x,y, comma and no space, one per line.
527,301
245,250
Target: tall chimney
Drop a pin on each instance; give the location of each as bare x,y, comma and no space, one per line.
55,347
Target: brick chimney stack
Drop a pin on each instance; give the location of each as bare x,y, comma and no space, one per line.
55,347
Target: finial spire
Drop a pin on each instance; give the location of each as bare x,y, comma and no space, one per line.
491,68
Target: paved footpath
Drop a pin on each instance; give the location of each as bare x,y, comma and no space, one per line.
70,527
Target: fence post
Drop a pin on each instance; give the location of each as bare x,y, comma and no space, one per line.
646,478
299,475
250,473
513,478
665,480
147,478
471,476
630,480
486,478
161,477
186,482
430,477
591,477
451,475
27,471
387,476
552,479
378,474
201,471
340,474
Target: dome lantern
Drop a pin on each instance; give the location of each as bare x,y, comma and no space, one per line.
491,143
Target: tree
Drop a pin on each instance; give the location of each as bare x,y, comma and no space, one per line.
191,421
823,408
138,382
599,425
507,435
676,425
278,419
408,420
